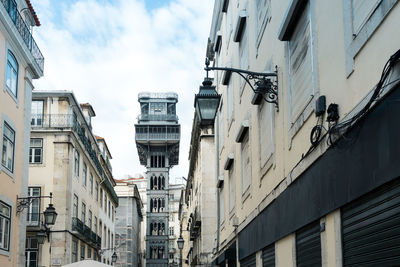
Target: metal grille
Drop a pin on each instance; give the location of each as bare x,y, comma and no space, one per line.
250,261
308,245
371,228
268,256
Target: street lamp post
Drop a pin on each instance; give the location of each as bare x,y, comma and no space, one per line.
180,242
265,87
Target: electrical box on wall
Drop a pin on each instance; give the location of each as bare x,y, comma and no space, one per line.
320,106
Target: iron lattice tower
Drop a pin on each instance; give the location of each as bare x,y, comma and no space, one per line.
157,141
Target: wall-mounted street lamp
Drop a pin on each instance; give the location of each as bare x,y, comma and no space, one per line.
50,214
207,100
180,242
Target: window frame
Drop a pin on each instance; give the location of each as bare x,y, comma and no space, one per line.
32,150
84,174
289,24
90,183
354,42
4,218
5,148
83,212
9,67
30,250
30,207
76,163
37,118
75,206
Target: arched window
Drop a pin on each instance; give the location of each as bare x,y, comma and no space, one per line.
12,73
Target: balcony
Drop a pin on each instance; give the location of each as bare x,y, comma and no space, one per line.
60,121
78,226
87,233
162,133
12,10
98,242
157,117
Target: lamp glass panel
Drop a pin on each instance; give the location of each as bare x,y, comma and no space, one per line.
207,107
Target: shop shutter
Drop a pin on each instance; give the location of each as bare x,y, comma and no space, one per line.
250,261
308,245
268,256
371,228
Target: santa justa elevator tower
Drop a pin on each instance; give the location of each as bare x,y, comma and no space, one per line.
157,141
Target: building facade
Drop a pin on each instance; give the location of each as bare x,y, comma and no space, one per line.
174,226
69,161
21,62
312,179
128,222
157,140
200,198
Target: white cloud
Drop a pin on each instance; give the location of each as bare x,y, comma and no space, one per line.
109,51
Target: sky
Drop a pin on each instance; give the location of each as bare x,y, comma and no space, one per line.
107,51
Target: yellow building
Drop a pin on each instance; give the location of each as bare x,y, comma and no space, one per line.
312,179
21,61
69,161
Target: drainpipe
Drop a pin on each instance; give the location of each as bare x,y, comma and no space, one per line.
216,140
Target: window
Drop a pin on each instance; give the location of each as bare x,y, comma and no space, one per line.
244,51
34,207
112,213
74,251
75,209
171,196
31,252
5,220
221,128
96,191
7,158
361,19
222,205
105,203
35,150
171,230
76,163
263,14
83,215
95,225
89,253
230,102
228,25
91,183
84,174
82,252
37,113
232,191
12,73
90,219
101,197
361,11
109,209
301,69
246,163
266,134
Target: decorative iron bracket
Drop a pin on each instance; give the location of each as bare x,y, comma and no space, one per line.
263,83
24,202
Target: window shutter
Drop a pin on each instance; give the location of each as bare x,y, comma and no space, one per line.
266,133
300,65
362,10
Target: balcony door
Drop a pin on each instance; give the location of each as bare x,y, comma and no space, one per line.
37,113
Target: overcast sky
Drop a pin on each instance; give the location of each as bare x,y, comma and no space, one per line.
107,51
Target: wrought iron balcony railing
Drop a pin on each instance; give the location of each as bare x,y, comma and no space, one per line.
150,132
157,117
52,121
12,10
78,226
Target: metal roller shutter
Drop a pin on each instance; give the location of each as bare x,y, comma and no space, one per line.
268,256
371,228
250,261
308,245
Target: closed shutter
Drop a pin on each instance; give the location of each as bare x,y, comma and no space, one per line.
308,245
300,68
268,256
362,10
371,228
250,261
